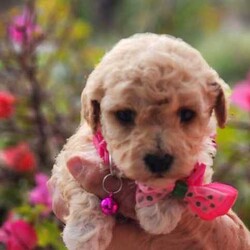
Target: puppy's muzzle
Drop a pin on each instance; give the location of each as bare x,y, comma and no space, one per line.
158,163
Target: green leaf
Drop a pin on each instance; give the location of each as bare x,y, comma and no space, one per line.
80,30
49,235
29,212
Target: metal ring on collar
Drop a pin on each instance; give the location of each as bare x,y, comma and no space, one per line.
104,184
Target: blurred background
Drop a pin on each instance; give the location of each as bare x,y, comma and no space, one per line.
47,50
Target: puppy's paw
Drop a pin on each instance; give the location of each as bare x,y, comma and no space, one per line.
161,218
88,235
86,227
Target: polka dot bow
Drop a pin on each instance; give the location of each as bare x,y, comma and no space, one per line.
208,201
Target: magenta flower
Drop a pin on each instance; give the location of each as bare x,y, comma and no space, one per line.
241,94
23,29
18,235
40,194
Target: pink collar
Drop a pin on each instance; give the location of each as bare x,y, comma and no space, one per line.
208,201
101,147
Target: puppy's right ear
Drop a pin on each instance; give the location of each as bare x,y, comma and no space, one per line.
90,112
217,91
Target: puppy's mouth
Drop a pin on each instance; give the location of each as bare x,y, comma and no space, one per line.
159,179
146,177
151,168
159,176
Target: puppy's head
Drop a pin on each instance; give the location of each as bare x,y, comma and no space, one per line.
155,100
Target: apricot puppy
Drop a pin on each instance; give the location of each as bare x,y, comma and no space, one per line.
157,104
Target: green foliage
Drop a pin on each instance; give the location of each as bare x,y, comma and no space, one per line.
233,159
48,232
228,53
55,73
28,212
49,235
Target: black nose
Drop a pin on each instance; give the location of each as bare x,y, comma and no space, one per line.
158,164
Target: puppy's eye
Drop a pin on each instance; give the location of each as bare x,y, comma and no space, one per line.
186,115
126,116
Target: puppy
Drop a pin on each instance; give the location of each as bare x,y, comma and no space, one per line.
157,104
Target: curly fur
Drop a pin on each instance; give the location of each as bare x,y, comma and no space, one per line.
156,76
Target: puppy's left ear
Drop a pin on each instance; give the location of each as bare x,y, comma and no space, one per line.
220,101
90,112
91,98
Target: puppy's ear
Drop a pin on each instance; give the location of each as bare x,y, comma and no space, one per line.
90,112
220,104
221,109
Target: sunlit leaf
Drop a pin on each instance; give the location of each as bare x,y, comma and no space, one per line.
49,235
92,55
80,30
30,213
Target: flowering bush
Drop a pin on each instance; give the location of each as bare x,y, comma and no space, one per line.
31,138
233,156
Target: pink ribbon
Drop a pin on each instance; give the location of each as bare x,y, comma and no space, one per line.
207,201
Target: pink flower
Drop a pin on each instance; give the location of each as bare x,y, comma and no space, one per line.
241,94
19,158
40,194
18,235
6,104
23,30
